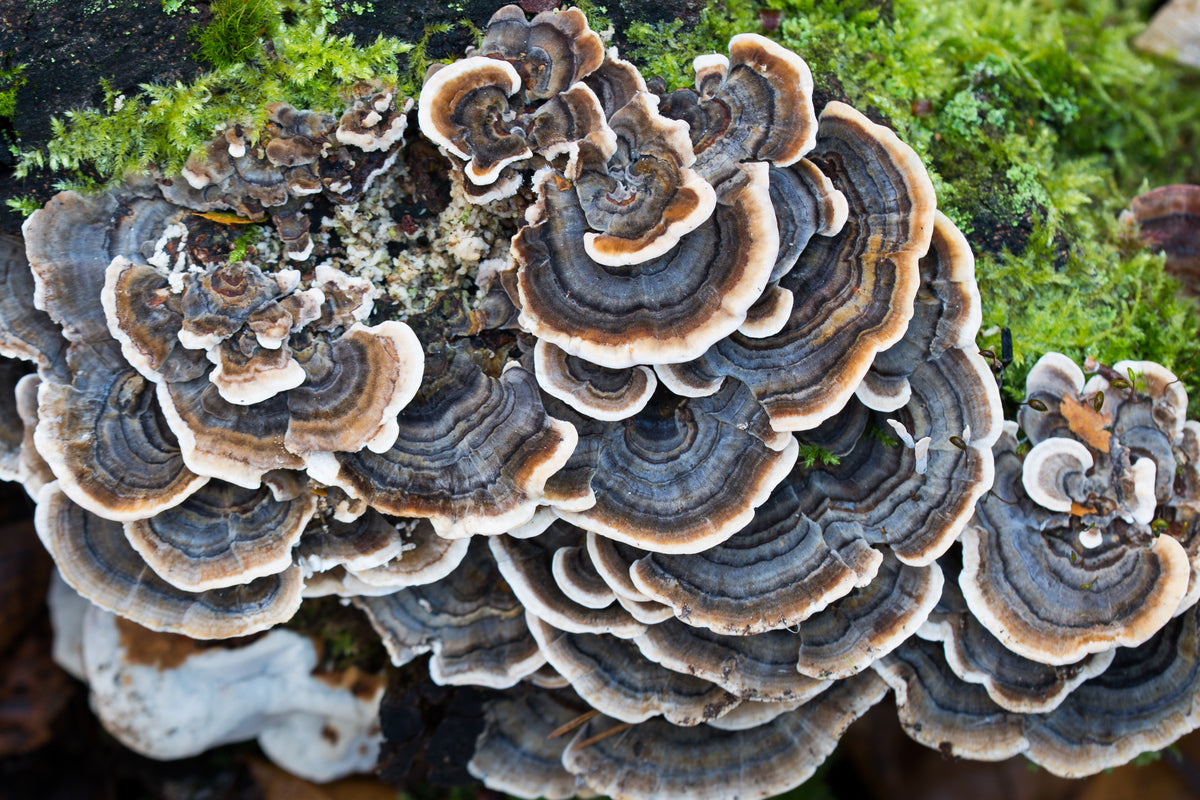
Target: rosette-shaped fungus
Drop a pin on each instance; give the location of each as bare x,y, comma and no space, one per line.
1081,547
684,576
700,287
179,392
1073,640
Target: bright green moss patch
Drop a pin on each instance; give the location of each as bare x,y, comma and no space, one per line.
300,63
1038,123
236,29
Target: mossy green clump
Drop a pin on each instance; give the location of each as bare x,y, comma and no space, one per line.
297,62
1038,123
236,30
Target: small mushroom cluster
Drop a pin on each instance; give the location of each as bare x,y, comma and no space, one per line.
681,477
1071,634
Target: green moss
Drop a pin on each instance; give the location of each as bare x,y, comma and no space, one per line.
302,64
11,80
1038,123
235,31
811,455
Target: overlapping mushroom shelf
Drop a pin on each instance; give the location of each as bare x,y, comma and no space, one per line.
680,473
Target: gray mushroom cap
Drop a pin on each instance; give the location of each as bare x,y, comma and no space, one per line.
760,667
636,187
108,443
772,574
657,759
222,535
614,678
26,332
661,478
464,107
551,52
470,620
941,711
1013,682
513,447
755,106
1143,701
528,567
1031,581
807,371
667,309
594,391
517,754
871,621
97,561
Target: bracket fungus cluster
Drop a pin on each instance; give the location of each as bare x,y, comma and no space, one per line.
1071,634
581,482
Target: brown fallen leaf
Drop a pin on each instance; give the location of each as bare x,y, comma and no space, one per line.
1088,423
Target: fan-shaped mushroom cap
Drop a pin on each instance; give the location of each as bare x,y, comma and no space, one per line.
806,372
759,108
947,314
597,392
32,470
615,679
12,427
560,124
527,566
107,442
25,331
473,452
155,691
366,542
657,759
1053,468
1169,220
470,620
1013,682
464,108
1144,701
806,205
670,308
354,388
517,754
70,243
551,52
773,573
871,621
941,711
374,122
755,667
426,558
97,561
1046,596
881,487
636,186
661,477
221,536
237,443
615,82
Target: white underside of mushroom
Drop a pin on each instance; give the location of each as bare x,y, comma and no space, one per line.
1048,465
265,689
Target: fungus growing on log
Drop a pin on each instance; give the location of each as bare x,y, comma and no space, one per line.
703,371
